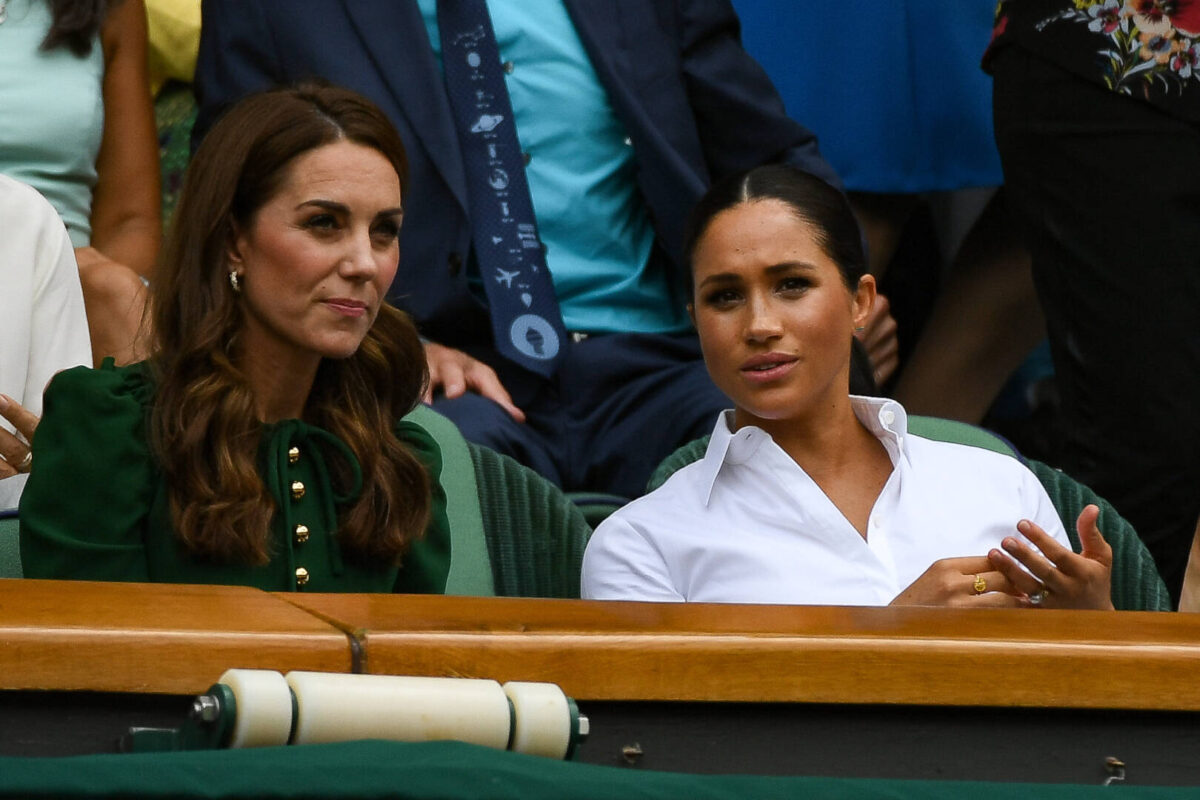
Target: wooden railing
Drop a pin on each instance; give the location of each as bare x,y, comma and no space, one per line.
158,638
179,639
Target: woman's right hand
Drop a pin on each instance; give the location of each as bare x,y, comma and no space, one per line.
14,453
956,582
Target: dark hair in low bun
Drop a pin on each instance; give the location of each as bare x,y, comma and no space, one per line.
815,202
810,198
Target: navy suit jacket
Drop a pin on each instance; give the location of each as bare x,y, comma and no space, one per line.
695,105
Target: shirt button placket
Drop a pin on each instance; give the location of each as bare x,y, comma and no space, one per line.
300,532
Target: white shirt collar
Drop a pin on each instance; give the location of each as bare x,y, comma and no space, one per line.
883,417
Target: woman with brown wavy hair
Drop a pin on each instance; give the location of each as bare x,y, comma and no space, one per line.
261,443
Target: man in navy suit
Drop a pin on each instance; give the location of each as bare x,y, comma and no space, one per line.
626,110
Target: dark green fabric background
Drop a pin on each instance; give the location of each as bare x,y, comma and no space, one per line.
375,769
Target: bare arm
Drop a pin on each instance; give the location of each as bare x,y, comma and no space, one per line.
126,220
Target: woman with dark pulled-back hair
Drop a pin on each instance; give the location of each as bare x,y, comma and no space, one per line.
261,443
808,494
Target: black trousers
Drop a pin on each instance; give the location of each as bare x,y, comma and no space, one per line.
1108,191
617,406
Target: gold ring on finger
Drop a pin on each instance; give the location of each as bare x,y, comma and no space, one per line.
980,584
1039,597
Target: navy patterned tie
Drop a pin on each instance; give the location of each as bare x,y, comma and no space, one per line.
526,322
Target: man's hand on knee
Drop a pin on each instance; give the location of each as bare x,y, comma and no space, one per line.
454,373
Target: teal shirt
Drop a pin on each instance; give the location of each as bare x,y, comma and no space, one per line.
51,115
96,506
590,214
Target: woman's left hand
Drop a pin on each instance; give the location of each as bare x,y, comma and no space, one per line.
1060,578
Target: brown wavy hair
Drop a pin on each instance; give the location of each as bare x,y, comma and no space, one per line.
203,425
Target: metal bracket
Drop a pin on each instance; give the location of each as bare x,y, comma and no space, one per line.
208,726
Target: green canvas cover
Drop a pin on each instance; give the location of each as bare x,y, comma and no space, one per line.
449,770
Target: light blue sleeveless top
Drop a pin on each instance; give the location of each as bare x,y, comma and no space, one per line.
51,115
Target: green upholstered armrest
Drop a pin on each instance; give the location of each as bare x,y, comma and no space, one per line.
470,564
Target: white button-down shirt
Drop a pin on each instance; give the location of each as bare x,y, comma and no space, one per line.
747,525
41,306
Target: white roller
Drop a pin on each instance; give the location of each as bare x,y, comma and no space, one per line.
263,715
543,719
334,707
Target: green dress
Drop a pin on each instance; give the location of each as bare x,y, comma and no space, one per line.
96,506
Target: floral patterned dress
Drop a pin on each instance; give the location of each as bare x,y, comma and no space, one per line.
1148,49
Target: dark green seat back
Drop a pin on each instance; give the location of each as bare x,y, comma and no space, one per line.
596,506
1136,584
535,534
10,550
513,533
